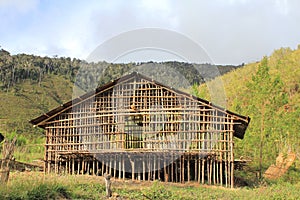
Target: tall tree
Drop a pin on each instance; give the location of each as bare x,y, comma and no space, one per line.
269,97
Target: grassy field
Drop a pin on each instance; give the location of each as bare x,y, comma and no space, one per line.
36,185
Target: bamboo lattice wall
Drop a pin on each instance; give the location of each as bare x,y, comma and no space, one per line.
142,130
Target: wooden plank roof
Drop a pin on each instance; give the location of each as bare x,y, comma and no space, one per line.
241,122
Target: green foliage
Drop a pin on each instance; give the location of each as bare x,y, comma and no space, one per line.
267,91
195,90
21,139
265,97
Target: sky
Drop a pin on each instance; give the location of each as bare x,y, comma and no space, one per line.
229,31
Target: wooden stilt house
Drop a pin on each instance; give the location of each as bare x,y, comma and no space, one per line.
137,128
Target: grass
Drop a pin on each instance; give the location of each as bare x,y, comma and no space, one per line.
36,185
19,106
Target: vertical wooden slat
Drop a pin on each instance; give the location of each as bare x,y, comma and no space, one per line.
182,169
144,169
202,166
232,153
188,169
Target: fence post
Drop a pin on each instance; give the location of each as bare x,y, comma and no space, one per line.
7,154
108,184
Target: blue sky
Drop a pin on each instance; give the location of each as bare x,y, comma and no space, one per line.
230,31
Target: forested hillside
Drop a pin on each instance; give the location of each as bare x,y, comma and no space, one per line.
32,85
267,91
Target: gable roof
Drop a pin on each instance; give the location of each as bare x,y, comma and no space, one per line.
240,122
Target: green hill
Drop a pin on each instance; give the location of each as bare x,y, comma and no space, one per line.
268,91
26,101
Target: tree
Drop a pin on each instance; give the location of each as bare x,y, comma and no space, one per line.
269,96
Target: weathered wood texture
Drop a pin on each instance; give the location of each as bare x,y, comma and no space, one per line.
7,154
281,166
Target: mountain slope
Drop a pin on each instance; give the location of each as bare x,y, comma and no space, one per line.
27,100
268,91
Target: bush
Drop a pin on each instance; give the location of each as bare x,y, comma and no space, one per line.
21,140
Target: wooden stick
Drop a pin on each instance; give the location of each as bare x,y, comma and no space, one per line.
144,168
115,167
199,170
182,169
188,169
123,164
154,166
107,185
202,178
172,178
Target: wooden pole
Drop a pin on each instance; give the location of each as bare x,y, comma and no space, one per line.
123,165
196,168
110,164
232,154
208,170
115,167
154,167
73,165
182,168
108,185
82,166
7,154
176,170
172,168
188,169
199,170
144,169
149,167
217,171
214,171
132,168
158,167
94,165
165,171
120,166
87,165
70,161
225,159
203,164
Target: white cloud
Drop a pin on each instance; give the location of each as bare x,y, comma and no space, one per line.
282,6
232,2
22,6
154,5
233,31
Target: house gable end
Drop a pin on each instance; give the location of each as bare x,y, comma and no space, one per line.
240,126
